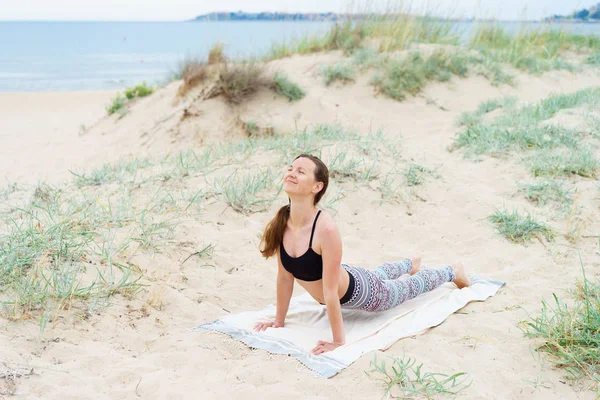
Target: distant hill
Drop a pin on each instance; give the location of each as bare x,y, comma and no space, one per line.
268,16
591,14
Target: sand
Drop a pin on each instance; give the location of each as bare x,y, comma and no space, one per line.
132,350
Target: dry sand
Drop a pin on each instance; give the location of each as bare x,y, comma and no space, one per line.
132,350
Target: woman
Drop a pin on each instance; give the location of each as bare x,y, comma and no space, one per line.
311,253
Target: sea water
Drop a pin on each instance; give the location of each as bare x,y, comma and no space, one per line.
51,56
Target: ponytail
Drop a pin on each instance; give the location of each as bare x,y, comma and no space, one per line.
273,234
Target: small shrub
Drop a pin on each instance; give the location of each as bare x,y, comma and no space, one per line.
518,228
118,104
340,71
285,87
141,90
239,81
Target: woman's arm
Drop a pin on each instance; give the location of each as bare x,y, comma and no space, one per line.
285,288
331,251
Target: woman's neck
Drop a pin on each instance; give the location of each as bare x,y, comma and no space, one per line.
301,212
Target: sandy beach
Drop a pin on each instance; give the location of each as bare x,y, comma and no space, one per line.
138,346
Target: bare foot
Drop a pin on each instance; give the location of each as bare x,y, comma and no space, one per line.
461,276
416,265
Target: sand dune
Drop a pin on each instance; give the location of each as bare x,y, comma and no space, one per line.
139,347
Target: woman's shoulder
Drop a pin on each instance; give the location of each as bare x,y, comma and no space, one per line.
326,222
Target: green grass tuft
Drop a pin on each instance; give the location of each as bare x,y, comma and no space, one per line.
518,228
569,333
594,58
413,382
547,191
408,76
118,105
285,87
523,129
473,118
532,51
244,192
561,162
366,58
341,71
141,90
415,174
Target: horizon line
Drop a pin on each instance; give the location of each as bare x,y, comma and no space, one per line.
468,19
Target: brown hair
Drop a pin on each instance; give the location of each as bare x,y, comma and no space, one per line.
273,234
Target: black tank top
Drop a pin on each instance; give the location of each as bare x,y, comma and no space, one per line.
307,267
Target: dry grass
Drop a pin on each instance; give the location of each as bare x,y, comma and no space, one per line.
194,71
216,56
237,82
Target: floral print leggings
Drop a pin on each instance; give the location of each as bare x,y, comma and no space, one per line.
380,289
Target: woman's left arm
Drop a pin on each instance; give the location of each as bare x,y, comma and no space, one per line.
331,251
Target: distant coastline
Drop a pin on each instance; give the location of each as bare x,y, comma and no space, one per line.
591,15
282,16
269,16
587,15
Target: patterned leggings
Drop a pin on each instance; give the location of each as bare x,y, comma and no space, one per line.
380,290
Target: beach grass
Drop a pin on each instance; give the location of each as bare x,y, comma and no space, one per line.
140,90
407,76
192,71
533,51
395,29
568,331
53,256
411,380
69,248
415,174
594,58
472,118
524,128
520,228
547,191
367,58
341,71
238,81
564,162
283,85
117,105
343,35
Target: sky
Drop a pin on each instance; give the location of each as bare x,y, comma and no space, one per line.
177,10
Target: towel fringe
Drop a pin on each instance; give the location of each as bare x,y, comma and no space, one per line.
301,368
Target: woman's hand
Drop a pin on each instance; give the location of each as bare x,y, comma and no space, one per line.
324,347
261,326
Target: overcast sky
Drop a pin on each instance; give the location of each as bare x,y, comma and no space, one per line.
169,10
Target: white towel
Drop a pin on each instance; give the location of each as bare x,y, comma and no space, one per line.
307,322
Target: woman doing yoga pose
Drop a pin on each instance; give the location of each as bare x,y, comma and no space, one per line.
311,253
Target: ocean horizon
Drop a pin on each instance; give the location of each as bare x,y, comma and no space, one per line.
104,55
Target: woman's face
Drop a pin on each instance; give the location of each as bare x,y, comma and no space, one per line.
300,178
